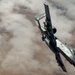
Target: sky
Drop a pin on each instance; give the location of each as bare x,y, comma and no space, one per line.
22,52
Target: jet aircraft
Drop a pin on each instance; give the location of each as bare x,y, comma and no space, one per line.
55,45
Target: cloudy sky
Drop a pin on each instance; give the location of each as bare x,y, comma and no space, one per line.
22,51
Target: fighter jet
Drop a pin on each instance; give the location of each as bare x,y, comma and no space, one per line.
55,45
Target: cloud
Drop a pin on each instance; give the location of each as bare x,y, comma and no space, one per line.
28,55
63,18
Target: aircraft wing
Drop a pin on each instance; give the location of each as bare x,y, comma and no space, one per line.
48,24
48,18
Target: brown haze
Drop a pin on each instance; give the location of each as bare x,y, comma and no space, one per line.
22,51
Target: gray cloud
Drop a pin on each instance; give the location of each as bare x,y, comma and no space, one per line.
64,10
24,52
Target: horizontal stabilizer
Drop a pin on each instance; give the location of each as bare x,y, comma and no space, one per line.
38,17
